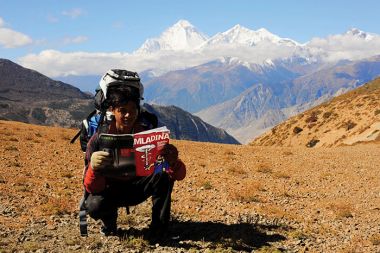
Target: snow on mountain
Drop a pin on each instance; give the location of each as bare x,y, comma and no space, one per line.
181,36
351,45
240,45
241,35
354,32
257,68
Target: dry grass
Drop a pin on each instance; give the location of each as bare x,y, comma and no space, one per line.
312,118
248,193
229,153
282,174
297,130
342,210
15,164
203,165
287,153
66,137
67,174
57,206
375,239
29,246
299,235
137,243
126,219
206,185
349,125
327,115
11,148
264,168
239,170
268,249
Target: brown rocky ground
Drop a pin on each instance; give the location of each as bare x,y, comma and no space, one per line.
234,198
351,118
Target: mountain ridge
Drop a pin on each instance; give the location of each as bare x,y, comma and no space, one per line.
292,96
348,119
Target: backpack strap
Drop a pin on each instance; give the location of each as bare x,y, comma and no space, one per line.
76,136
148,119
83,215
85,124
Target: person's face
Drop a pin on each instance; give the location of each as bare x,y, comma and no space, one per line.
125,115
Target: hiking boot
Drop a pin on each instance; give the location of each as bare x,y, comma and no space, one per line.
109,230
109,225
158,233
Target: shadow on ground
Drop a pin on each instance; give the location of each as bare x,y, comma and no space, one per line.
190,234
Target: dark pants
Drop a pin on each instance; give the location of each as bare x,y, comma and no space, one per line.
129,193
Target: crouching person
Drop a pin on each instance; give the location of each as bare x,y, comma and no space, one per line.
108,192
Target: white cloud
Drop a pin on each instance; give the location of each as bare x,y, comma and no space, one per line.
11,39
333,48
75,40
346,46
73,13
55,63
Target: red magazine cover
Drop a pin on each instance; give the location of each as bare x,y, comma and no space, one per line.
134,154
147,145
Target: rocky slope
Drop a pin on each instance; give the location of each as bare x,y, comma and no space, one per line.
235,198
29,96
348,119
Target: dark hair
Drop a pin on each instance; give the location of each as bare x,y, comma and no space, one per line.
120,96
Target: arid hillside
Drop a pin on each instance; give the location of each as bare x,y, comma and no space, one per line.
235,198
351,118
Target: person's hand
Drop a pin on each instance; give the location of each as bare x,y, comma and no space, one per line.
170,154
100,160
178,170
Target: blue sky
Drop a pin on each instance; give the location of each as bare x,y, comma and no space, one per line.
112,26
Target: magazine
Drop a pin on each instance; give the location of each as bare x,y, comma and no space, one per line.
135,154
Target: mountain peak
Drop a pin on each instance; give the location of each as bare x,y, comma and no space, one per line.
241,35
238,28
182,36
183,23
355,32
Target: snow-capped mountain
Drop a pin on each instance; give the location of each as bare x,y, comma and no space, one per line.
182,36
241,35
354,32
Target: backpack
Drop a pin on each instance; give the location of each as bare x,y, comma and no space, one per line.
97,121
